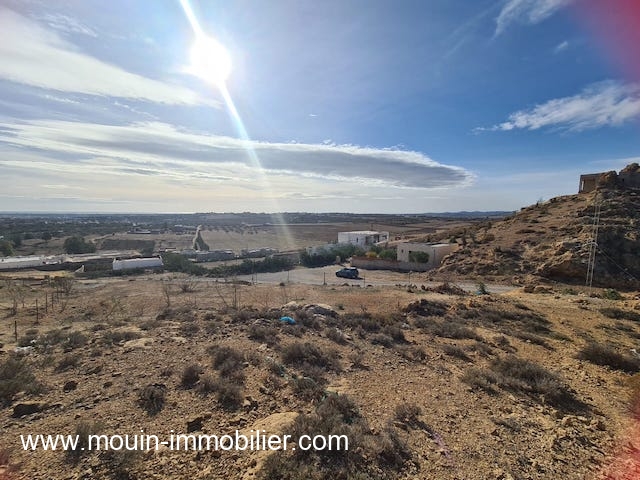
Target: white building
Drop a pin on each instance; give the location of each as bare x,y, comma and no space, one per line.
133,263
11,263
363,238
435,251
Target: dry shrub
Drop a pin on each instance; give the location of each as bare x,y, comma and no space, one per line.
366,457
82,431
190,376
408,414
413,353
620,314
607,356
229,395
525,377
67,362
299,353
16,376
335,335
264,334
456,352
152,398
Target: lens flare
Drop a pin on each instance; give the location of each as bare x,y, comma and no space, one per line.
212,62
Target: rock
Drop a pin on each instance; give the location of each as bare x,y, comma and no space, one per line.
249,403
567,265
195,424
321,309
26,408
69,386
94,370
239,420
24,350
598,424
291,306
541,289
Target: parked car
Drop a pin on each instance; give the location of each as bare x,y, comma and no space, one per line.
348,272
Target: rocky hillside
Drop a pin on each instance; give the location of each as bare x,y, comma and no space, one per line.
551,240
424,385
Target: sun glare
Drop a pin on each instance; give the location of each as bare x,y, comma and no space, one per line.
210,60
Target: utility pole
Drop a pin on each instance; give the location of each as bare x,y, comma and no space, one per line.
593,245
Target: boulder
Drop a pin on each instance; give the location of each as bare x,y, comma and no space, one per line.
321,309
26,408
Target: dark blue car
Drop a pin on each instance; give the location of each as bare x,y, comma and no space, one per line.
348,272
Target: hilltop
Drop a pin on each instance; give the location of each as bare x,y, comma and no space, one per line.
551,240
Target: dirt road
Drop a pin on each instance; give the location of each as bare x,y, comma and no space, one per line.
319,276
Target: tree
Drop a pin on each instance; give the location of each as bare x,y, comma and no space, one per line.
46,236
75,245
419,257
16,239
16,293
388,254
6,249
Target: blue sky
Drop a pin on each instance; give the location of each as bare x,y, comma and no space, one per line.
357,106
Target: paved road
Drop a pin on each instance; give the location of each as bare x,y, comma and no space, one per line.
318,276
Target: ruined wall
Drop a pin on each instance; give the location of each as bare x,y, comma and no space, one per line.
629,177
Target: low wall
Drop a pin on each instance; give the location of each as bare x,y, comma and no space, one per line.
378,264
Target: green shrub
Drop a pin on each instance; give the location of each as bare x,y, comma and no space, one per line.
328,255
611,294
78,245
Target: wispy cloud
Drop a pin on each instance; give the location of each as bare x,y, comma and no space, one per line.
602,104
561,47
527,12
39,57
66,24
162,149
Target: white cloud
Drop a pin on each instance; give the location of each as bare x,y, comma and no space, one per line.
32,55
561,47
160,149
527,11
599,105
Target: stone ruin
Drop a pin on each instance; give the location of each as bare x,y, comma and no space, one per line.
629,177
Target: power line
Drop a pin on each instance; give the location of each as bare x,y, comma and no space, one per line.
616,263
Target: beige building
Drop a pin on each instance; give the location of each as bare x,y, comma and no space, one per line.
436,252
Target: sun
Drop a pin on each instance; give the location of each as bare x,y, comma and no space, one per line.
210,60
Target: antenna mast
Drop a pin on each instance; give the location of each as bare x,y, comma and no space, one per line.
593,244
